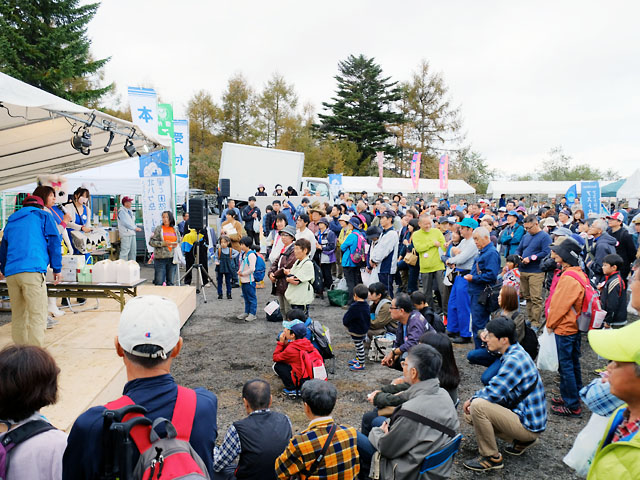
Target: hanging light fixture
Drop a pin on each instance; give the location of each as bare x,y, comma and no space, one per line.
82,141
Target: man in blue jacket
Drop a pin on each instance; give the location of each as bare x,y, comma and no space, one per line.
484,272
31,242
533,248
511,234
148,340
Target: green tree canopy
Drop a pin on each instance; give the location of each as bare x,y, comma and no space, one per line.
238,111
275,104
471,167
44,43
362,109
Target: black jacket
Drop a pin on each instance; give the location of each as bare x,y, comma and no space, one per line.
613,298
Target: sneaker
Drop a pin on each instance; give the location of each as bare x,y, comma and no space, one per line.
228,296
51,322
81,301
250,318
452,334
353,361
356,366
564,411
557,400
518,448
290,393
219,296
242,316
484,464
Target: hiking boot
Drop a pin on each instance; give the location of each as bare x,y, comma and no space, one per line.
518,448
461,340
564,411
290,393
484,464
242,316
250,318
356,366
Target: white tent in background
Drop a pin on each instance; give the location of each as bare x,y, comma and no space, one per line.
404,185
630,188
35,134
534,187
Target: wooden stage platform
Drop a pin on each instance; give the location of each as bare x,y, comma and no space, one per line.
83,346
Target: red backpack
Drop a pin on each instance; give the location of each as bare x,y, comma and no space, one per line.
591,315
312,365
170,457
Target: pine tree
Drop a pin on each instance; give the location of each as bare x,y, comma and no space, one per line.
44,43
362,109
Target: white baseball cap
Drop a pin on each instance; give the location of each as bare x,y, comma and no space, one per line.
149,320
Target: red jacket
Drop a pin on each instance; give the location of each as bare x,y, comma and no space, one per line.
289,353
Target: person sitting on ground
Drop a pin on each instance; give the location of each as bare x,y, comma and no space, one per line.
357,320
411,326
409,437
391,395
257,439
287,357
302,456
613,293
512,406
380,313
419,300
617,453
148,341
28,382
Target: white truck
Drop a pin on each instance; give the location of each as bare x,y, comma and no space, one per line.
247,166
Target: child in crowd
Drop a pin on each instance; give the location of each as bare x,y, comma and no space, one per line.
511,273
613,293
357,320
248,260
419,300
288,356
225,265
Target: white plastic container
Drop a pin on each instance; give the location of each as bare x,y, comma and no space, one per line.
105,271
73,261
128,272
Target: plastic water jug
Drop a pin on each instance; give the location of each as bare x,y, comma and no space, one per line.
128,272
105,271
84,274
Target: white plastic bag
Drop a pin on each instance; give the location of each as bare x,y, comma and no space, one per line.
548,354
178,256
584,447
342,284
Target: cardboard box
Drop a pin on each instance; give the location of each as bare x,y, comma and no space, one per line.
114,235
73,261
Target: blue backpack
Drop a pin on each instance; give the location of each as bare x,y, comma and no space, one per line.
261,268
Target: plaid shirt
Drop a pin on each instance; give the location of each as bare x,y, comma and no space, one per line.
340,461
516,374
625,428
231,448
598,397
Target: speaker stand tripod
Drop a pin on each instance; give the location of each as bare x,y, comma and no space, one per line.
198,272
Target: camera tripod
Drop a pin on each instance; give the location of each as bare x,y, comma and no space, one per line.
198,273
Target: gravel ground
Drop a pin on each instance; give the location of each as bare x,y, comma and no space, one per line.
221,353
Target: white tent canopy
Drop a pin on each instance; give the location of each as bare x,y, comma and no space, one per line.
534,187
405,185
120,178
35,134
630,188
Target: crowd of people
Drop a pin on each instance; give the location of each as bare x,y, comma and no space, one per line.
419,278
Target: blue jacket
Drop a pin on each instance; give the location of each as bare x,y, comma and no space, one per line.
287,211
409,335
485,269
358,318
537,245
31,242
348,247
511,243
335,226
158,395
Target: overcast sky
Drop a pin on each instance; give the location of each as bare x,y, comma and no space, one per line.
529,76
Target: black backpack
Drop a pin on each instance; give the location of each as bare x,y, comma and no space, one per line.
434,319
317,284
530,341
16,436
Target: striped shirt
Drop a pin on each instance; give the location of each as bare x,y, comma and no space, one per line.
341,460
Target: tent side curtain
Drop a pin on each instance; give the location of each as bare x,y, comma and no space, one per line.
405,185
534,187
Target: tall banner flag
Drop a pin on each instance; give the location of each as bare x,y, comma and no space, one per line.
165,127
380,160
415,169
571,194
181,147
155,173
335,184
443,172
143,103
590,197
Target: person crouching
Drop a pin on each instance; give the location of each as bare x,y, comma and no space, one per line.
288,362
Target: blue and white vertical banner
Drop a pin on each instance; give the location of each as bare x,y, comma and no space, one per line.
335,184
143,103
181,150
590,197
155,174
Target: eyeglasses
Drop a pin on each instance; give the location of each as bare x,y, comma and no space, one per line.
395,308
